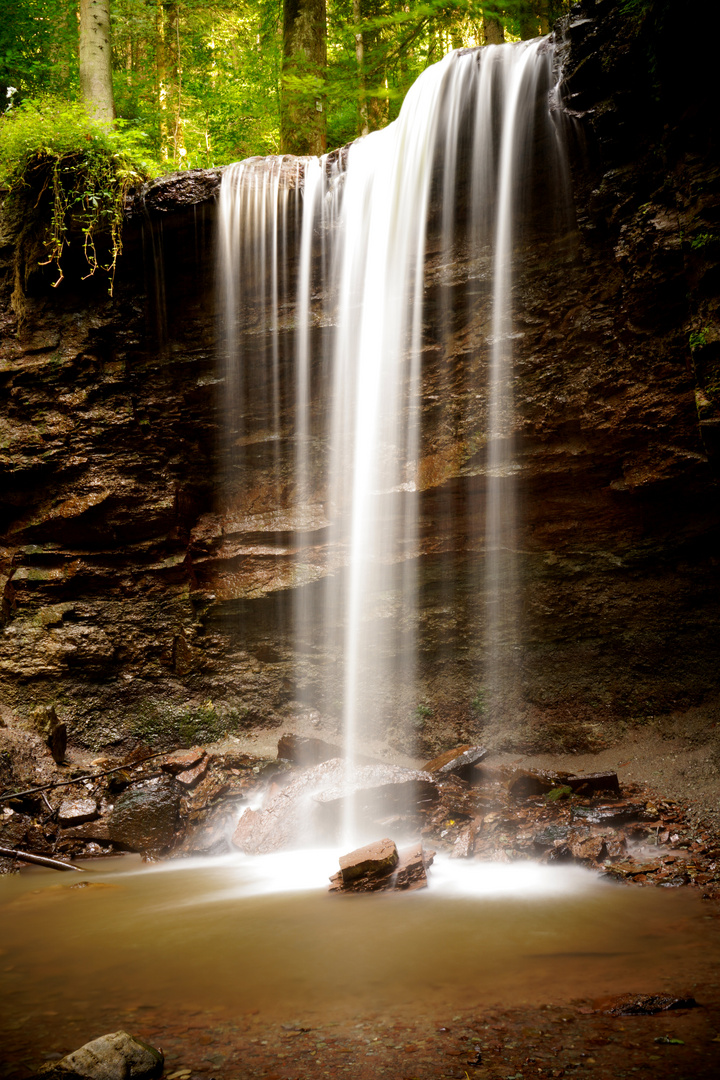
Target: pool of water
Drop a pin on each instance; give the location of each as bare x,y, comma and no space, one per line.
262,933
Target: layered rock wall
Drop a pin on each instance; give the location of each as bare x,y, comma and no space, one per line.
148,580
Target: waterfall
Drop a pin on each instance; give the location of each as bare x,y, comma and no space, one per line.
361,249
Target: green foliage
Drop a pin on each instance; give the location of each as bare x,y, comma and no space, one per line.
423,712
697,338
479,703
557,793
703,240
69,175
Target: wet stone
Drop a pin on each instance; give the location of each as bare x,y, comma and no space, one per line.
117,1056
145,818
182,761
407,874
379,857
190,777
77,811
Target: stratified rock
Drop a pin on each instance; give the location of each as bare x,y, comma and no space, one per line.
181,761
378,858
117,1056
77,811
190,777
408,873
460,762
146,817
44,720
311,807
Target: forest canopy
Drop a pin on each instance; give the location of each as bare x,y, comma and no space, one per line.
197,83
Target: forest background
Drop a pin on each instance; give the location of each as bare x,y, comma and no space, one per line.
200,83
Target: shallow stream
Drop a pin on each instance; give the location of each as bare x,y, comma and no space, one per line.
244,934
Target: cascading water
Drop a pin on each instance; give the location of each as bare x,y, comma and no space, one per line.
361,239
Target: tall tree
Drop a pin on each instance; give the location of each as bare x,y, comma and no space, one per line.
303,126
96,59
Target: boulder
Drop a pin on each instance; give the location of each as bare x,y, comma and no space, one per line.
407,873
117,1056
311,808
377,858
146,817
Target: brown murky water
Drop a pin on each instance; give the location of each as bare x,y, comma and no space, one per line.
214,937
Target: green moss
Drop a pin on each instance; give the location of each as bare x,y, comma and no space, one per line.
162,724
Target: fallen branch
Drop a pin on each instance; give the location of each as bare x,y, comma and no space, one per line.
42,860
77,780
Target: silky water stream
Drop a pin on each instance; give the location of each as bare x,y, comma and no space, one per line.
176,950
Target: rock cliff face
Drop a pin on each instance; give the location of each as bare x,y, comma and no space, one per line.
147,586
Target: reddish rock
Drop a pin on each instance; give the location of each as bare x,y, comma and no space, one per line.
181,761
461,762
407,874
372,860
190,777
443,759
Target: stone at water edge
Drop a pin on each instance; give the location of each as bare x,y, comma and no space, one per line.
379,857
146,817
117,1056
407,874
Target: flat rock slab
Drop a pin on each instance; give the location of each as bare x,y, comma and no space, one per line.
190,777
117,1056
77,811
310,808
460,762
379,857
409,873
181,761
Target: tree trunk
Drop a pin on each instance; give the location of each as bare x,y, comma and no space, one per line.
95,60
493,31
303,127
161,77
363,127
174,85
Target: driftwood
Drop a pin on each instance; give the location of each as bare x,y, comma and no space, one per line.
78,779
41,860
